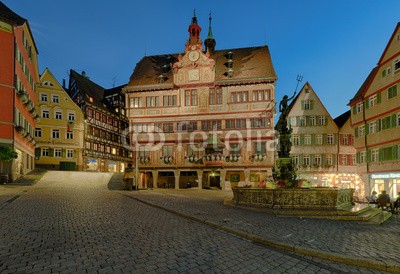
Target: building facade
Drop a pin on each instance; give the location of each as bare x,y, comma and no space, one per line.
322,148
375,117
60,129
106,145
204,117
18,77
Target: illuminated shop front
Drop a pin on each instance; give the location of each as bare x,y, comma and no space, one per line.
339,180
389,181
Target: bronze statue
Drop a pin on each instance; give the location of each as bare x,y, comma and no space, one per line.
283,105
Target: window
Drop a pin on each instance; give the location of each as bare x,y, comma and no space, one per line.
70,135
70,153
55,98
312,121
343,160
235,123
330,139
191,97
215,96
307,140
152,101
260,122
55,134
396,65
169,100
261,95
45,152
57,152
143,151
329,160
296,140
302,121
306,160
362,156
187,126
386,72
38,132
359,107
295,160
45,114
322,120
211,125
398,120
318,139
58,115
317,160
71,116
345,140
373,100
234,148
239,97
372,127
167,150
113,151
307,104
375,155
168,127
43,97
260,148
135,102
361,131
392,92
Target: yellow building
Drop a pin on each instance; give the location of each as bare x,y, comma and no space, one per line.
59,131
322,147
375,117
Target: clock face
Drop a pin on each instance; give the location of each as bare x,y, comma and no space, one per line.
194,55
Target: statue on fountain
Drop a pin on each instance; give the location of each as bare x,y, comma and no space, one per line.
284,170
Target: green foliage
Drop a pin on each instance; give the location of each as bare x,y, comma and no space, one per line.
7,153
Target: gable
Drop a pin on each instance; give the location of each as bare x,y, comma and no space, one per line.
392,48
48,81
307,103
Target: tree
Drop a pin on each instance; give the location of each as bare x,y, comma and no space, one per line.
7,154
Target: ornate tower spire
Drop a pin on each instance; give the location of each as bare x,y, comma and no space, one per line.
194,30
210,42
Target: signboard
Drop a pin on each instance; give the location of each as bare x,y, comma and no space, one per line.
391,175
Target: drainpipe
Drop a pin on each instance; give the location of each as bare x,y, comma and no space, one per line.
365,140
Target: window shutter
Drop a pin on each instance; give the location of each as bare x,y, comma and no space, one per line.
356,132
324,139
37,152
308,120
378,98
378,125
354,110
381,158
367,104
301,159
311,104
394,118
368,156
384,73
51,152
334,159
302,139
394,152
302,104
63,151
312,160
358,157
366,128
313,139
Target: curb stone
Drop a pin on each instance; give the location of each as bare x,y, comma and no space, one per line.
371,264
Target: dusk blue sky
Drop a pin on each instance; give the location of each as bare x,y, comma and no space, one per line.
332,44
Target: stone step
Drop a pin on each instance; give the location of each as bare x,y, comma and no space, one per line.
380,218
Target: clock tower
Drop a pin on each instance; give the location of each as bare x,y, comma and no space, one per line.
194,31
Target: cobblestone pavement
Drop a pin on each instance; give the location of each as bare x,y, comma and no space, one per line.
372,246
71,222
